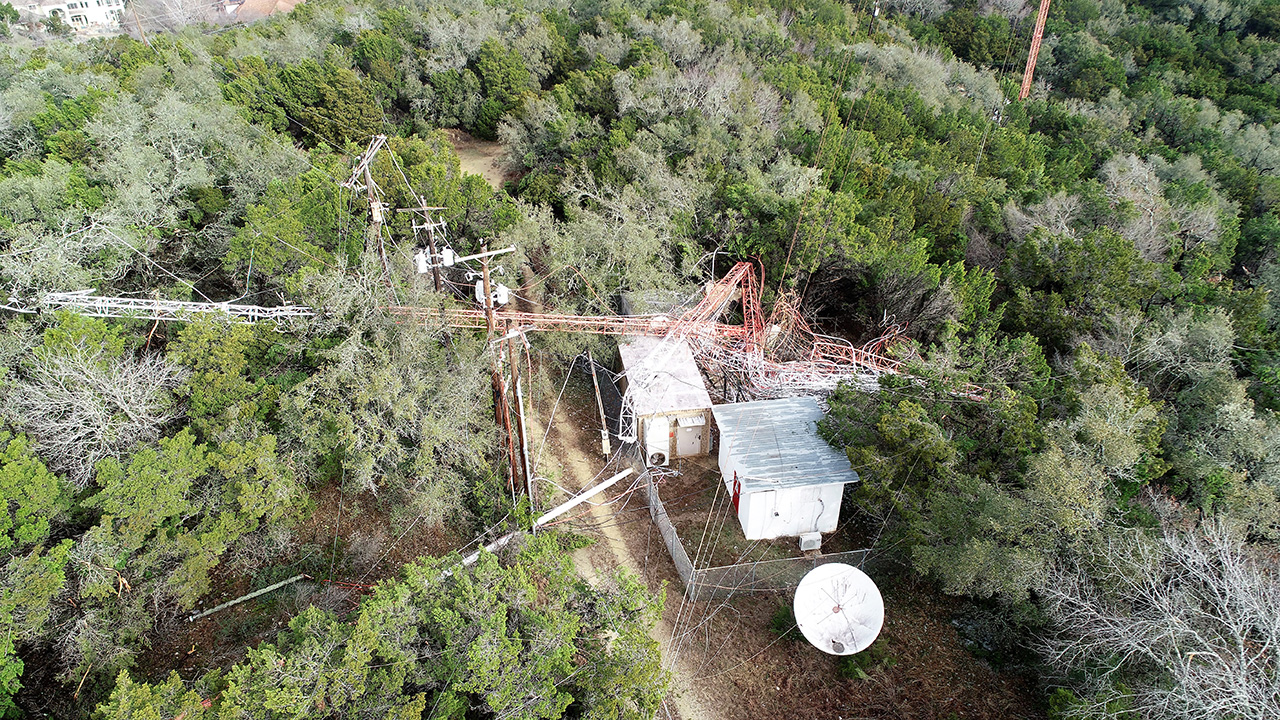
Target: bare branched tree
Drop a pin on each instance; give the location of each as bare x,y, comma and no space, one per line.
926,9
1057,214
1013,9
1131,183
80,406
1185,345
175,14
1183,627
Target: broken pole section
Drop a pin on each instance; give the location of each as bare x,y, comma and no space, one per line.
250,596
548,517
579,499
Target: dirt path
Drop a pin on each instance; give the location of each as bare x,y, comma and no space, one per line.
575,451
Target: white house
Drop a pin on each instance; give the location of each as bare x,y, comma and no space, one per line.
665,394
79,14
785,481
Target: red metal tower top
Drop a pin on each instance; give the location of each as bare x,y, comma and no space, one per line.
1036,37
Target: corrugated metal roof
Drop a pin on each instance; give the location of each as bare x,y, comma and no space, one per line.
775,444
662,376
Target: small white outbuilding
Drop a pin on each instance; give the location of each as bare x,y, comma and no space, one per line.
667,397
785,481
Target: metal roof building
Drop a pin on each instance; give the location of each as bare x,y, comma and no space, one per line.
667,396
785,480
662,376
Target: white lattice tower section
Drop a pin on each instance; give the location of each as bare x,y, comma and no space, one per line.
83,302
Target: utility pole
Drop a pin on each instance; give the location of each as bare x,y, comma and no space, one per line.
376,215
604,426
1036,36
431,246
375,206
499,386
377,209
513,358
429,224
133,7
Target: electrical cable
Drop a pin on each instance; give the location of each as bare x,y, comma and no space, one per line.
818,161
460,549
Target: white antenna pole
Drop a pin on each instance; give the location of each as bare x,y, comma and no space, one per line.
575,502
562,509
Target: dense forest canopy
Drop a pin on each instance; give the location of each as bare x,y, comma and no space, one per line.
1100,259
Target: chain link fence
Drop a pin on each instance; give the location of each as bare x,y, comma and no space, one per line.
725,580
765,575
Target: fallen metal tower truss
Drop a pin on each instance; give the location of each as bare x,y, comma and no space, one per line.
778,356
84,302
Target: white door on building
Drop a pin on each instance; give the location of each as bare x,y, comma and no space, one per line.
763,515
689,435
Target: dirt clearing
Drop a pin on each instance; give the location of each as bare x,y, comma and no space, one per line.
479,157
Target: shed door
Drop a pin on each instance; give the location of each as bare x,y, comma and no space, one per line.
689,435
764,515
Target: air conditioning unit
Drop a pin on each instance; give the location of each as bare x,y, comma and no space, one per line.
657,441
810,541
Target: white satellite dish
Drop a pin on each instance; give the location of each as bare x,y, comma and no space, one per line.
839,609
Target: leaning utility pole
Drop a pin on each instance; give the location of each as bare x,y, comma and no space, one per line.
1036,37
499,386
376,218
377,208
133,7
376,215
513,357
604,426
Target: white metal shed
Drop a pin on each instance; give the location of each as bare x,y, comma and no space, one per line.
667,396
785,481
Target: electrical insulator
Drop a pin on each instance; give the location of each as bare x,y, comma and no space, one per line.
499,295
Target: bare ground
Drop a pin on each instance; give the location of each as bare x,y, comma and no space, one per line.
479,157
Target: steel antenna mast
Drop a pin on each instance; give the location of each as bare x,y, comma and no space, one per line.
1036,36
